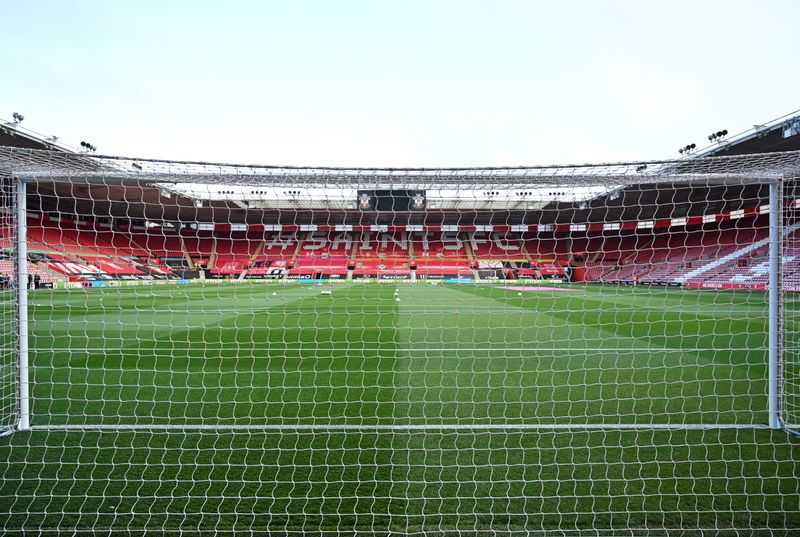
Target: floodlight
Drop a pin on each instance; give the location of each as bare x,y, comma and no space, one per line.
717,136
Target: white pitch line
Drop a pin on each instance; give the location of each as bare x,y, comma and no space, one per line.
399,428
311,348
265,309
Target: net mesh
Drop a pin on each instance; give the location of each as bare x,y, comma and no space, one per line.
8,384
563,351
790,373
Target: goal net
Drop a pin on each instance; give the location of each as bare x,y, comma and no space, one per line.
8,369
583,350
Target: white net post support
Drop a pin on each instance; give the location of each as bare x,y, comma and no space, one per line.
8,354
775,291
21,310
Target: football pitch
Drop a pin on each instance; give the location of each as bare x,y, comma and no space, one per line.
400,409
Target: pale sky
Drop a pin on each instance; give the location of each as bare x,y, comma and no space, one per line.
405,83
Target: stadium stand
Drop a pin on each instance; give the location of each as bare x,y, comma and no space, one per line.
438,245
158,242
34,269
382,254
279,247
641,235
198,247
720,252
502,246
747,266
62,249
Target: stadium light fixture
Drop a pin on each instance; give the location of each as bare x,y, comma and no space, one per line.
791,128
688,148
18,118
88,147
717,136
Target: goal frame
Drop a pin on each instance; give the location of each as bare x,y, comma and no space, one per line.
22,421
76,166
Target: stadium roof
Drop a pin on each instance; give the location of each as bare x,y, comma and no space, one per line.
54,166
135,189
779,135
81,182
13,134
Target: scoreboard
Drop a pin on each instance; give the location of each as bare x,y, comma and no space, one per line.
391,200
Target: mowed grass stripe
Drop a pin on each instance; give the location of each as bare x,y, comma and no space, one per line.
662,383
227,376
124,314
735,340
126,386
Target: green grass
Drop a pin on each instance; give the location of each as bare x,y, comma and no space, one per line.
423,377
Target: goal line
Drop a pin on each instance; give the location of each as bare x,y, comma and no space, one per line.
433,427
